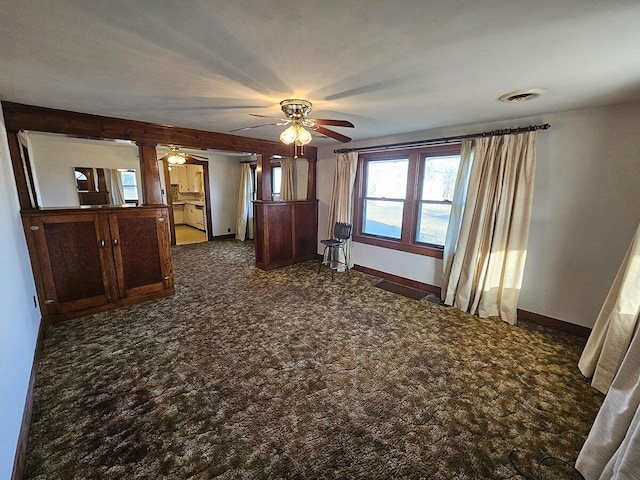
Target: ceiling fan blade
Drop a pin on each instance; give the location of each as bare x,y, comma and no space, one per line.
334,123
265,116
331,133
255,126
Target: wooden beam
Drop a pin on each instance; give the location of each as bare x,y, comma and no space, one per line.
150,173
27,117
311,179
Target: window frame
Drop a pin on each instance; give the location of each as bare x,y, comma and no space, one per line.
415,173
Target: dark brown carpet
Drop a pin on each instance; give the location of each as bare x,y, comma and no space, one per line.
246,374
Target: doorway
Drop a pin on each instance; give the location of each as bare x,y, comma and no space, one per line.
188,198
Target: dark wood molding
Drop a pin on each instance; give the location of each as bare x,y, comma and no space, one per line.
207,192
27,117
523,315
425,287
224,237
20,459
167,187
22,184
554,323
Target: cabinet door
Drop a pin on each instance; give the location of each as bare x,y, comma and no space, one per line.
72,261
141,248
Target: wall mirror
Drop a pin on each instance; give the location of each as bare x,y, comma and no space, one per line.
73,172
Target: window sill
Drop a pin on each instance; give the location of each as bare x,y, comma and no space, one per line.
425,250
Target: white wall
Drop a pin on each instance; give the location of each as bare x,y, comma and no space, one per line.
54,157
19,319
585,209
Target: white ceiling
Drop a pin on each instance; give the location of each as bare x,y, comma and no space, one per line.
388,66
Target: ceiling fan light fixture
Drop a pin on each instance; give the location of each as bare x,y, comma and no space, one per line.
295,133
288,136
304,136
176,157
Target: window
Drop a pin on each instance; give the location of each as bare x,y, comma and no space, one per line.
129,185
276,180
404,198
386,188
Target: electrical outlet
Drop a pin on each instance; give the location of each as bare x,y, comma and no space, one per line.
228,230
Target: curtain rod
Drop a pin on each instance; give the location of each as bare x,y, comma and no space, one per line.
441,140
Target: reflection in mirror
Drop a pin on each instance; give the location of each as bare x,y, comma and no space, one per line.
61,163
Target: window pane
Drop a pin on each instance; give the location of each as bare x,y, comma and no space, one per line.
129,187
433,219
387,178
383,217
440,177
276,180
130,193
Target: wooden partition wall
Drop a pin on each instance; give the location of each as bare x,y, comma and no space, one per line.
275,230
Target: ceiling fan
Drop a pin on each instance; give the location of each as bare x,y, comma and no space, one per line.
296,111
176,157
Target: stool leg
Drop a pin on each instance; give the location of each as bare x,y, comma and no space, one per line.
322,259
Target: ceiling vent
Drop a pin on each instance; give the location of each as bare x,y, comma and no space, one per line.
522,95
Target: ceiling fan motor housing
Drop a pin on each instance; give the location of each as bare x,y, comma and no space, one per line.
295,109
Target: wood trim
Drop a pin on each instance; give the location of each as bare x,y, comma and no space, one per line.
20,459
167,188
28,117
425,287
554,324
523,315
19,173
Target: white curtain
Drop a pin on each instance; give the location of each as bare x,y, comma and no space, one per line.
457,207
341,206
488,261
244,224
116,189
612,449
617,322
287,188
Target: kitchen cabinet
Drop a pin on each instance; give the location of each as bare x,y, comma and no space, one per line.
178,213
86,261
188,177
194,215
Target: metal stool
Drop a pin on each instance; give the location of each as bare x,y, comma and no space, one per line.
341,233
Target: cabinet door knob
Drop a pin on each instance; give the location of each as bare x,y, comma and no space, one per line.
102,244
115,242
48,302
161,219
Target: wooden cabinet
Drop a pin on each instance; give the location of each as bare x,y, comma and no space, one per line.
285,232
194,215
178,213
86,261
